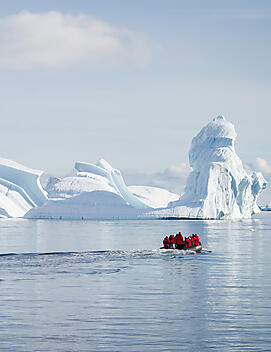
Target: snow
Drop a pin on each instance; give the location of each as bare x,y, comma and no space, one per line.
96,205
103,177
218,187
20,189
99,177
114,179
99,192
153,196
75,185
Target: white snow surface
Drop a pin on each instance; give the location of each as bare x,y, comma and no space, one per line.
153,196
95,205
99,192
102,177
20,189
99,177
218,187
114,179
75,185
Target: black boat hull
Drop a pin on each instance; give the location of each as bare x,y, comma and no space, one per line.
197,249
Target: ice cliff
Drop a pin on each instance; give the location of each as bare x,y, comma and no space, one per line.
218,187
20,189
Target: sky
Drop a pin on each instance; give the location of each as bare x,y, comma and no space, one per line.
132,81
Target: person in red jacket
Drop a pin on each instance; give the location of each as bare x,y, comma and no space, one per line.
172,241
179,244
197,237
166,242
187,243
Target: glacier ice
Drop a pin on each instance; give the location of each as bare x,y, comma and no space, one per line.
102,177
98,192
91,177
95,205
114,179
20,189
218,187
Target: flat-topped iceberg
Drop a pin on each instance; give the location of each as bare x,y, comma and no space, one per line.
218,187
20,189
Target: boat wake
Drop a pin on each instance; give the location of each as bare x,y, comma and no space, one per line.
131,252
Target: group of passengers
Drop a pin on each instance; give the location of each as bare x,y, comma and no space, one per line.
179,242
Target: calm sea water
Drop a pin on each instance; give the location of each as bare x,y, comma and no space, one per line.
105,286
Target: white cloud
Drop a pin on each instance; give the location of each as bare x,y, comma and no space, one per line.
172,178
53,39
262,165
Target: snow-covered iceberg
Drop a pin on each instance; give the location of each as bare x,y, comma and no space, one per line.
218,187
99,192
114,179
20,189
95,205
155,197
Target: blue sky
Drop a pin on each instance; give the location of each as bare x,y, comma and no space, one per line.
164,70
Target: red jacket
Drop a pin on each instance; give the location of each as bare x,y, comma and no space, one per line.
179,239
166,242
188,243
171,239
196,239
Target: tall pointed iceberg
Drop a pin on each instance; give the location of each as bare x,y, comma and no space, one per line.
218,187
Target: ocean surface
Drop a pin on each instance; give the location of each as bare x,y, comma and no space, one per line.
106,286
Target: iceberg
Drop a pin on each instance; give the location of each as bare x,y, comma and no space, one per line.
155,197
218,187
114,179
95,205
98,191
102,177
20,189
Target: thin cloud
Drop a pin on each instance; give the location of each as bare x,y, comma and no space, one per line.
56,40
261,165
238,14
172,178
